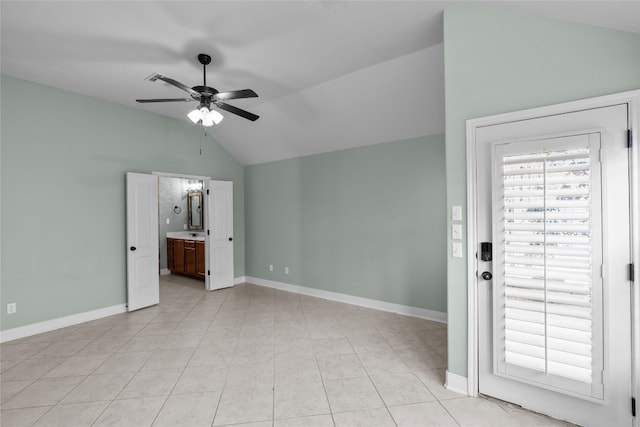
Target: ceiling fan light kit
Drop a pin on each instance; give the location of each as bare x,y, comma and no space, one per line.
208,117
206,96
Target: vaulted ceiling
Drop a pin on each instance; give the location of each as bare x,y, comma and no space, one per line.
330,74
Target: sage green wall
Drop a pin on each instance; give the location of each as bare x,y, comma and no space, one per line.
367,222
64,159
498,61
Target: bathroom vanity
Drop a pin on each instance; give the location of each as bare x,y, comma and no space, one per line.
186,254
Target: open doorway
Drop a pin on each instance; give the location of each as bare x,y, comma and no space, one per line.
212,207
181,227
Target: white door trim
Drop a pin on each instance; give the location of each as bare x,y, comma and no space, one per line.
632,98
179,175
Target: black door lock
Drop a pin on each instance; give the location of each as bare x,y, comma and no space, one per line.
485,251
487,275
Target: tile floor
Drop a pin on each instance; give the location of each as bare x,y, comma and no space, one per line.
245,356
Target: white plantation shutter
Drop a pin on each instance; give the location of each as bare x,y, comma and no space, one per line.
547,263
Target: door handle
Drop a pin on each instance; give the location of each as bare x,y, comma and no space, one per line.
487,275
133,248
231,239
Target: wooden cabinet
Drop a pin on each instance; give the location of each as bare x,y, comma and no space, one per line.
200,263
186,257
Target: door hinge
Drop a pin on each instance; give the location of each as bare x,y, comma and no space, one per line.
633,406
208,272
208,234
207,191
629,139
632,273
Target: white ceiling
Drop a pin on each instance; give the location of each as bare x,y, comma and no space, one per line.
330,74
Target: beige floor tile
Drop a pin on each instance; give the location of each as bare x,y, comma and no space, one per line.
77,365
244,406
251,375
369,343
159,328
422,414
151,383
5,365
204,357
24,417
62,349
422,358
169,359
340,366
43,392
102,346
32,369
299,399
123,330
379,417
332,346
143,343
131,412
124,362
296,368
100,387
404,339
182,339
312,421
188,410
294,346
21,351
76,414
200,379
471,411
8,389
352,394
401,388
383,362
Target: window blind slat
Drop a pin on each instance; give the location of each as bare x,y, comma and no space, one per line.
545,211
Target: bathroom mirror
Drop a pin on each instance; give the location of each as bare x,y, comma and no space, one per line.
194,202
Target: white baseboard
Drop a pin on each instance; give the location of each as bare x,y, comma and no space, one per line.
240,279
61,322
165,272
456,383
423,313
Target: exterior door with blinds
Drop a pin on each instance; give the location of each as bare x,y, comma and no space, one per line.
555,317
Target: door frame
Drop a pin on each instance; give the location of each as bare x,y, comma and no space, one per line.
632,99
205,222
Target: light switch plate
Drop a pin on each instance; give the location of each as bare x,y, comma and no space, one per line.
456,250
456,231
456,213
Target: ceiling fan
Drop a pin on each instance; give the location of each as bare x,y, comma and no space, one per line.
206,96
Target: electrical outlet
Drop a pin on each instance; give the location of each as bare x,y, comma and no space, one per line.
286,270
168,220
270,267
184,226
11,308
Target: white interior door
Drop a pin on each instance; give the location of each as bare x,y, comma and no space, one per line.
219,245
555,317
143,288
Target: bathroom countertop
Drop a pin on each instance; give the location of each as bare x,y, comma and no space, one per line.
186,235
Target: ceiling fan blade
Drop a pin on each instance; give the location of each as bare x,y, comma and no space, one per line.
168,80
235,94
146,101
235,110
